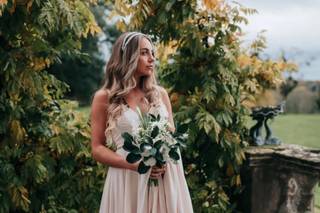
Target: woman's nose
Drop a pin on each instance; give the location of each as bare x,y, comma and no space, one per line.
151,57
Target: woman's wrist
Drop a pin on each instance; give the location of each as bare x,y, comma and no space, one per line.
134,166
130,166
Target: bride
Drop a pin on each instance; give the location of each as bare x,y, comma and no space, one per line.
130,83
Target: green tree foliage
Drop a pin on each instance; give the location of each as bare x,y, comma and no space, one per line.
211,81
45,161
84,74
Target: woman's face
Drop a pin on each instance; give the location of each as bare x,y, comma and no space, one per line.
146,59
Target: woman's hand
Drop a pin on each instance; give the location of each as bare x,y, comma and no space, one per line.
134,166
156,172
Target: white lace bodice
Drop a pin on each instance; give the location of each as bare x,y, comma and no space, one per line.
129,120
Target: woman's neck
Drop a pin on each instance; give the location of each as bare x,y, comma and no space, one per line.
139,83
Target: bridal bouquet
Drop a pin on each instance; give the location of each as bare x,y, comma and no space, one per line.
153,143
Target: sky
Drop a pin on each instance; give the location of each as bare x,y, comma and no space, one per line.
291,26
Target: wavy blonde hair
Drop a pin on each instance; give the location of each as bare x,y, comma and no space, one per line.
119,78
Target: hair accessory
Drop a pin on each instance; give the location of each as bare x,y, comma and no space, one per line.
128,38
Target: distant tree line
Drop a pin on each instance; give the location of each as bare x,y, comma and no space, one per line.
304,97
300,96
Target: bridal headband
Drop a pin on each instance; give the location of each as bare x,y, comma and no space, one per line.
129,37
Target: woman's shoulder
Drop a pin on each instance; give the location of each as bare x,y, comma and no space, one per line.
163,92
164,96
101,96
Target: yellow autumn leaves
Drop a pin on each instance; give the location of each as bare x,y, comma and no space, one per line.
90,27
2,5
212,4
268,71
17,131
3,2
27,3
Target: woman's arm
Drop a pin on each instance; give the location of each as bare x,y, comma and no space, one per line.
166,101
98,125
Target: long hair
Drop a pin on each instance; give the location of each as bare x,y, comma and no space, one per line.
119,78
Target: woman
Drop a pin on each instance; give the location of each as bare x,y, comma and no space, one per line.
130,83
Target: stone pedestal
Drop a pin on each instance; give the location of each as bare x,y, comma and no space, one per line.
280,179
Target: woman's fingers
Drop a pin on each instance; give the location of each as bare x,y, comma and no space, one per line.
160,170
157,171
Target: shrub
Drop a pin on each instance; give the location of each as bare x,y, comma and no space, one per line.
45,162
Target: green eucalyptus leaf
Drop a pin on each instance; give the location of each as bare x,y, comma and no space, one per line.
174,155
127,137
130,147
155,132
183,128
158,144
142,168
159,157
153,117
132,157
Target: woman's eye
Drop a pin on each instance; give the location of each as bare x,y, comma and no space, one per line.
147,52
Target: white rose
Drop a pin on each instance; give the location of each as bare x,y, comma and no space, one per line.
150,162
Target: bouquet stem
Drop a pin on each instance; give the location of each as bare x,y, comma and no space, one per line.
154,182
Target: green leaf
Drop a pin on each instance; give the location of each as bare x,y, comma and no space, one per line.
142,168
130,147
169,5
149,139
153,117
132,157
174,154
182,128
127,137
155,132
221,162
159,157
158,144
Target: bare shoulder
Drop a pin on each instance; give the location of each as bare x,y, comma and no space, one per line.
100,102
99,107
166,100
100,97
165,97
163,92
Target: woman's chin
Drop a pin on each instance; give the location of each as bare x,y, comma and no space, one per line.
145,73
148,73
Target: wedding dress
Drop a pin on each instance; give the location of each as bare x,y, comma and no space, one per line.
127,191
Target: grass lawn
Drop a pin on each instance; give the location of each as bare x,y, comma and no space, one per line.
85,110
299,129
